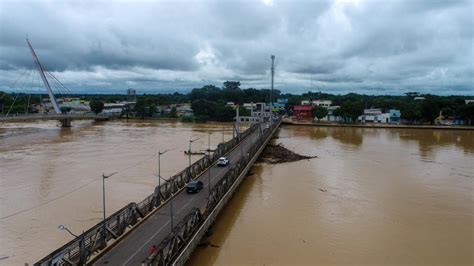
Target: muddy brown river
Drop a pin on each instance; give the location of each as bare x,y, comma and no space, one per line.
373,196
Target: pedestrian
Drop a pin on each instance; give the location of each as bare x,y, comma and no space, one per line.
153,249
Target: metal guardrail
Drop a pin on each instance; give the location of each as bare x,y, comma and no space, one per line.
79,250
173,244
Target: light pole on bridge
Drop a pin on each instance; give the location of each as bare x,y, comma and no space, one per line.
159,166
189,151
209,155
103,205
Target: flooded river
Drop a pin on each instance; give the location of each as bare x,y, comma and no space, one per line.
373,196
51,176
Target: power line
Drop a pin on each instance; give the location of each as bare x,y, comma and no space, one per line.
78,188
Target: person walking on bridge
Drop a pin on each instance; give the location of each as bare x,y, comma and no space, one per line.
153,249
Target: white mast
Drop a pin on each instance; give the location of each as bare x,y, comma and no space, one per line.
43,77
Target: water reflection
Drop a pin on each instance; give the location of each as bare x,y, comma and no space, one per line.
430,140
426,140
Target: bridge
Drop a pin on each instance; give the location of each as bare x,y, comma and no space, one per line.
171,219
64,118
57,114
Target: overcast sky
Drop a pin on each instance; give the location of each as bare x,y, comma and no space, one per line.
363,46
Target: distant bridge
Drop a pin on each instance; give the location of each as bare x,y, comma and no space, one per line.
125,237
57,114
64,118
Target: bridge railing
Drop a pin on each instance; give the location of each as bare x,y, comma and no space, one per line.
173,244
79,250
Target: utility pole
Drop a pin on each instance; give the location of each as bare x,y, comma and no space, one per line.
189,152
209,154
103,205
171,204
223,129
271,91
159,166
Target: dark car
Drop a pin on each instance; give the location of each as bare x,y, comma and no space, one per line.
194,186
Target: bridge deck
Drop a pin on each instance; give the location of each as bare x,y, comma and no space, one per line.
31,117
134,248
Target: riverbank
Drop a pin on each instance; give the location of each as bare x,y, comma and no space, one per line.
287,122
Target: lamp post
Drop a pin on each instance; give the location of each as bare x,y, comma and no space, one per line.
209,155
63,227
159,166
223,140
171,200
82,250
103,205
189,151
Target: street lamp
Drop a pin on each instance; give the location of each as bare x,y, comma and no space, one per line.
82,243
223,129
159,166
103,204
171,199
63,227
209,155
189,151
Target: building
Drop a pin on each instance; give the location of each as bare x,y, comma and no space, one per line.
468,101
323,103
113,109
395,116
419,98
303,112
376,115
184,109
331,117
131,95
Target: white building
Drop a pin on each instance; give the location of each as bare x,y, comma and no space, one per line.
331,117
323,103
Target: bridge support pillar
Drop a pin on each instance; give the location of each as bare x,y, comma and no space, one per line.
65,122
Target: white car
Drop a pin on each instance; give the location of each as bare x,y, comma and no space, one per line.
223,161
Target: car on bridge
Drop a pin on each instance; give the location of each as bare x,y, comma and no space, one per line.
223,161
194,186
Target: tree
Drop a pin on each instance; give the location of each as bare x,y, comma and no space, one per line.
244,111
140,108
319,112
466,112
96,106
203,107
351,109
173,113
430,109
233,93
411,112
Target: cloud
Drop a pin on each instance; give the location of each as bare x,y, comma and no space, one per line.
334,46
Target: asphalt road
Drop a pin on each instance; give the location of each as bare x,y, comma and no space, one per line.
134,248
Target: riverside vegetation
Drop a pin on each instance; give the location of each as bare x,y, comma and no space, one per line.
209,103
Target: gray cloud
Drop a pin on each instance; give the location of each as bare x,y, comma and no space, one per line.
364,46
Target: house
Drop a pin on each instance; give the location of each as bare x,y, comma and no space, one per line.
184,109
395,116
419,98
469,101
303,112
375,115
231,104
331,117
323,103
114,109
372,115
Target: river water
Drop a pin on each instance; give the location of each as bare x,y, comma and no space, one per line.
378,196
373,196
